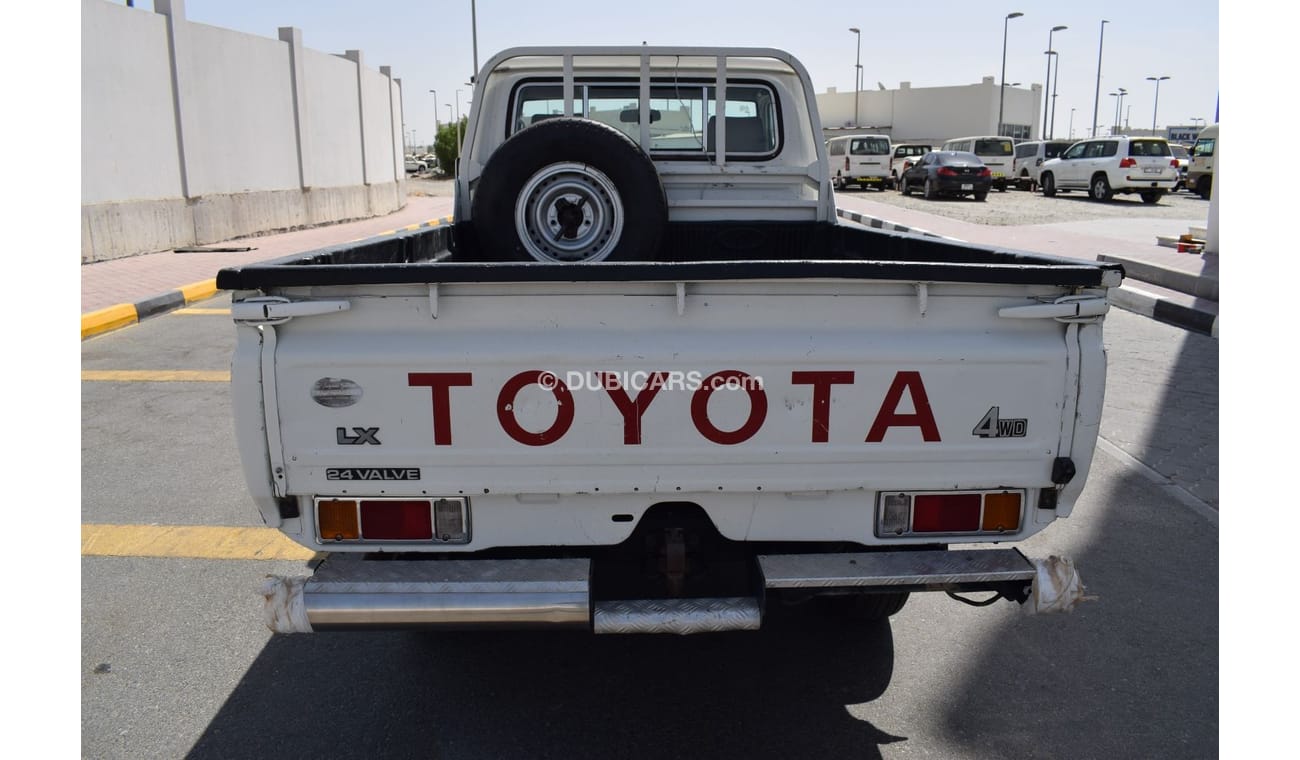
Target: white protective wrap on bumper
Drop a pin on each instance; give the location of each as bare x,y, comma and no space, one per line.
286,611
1056,587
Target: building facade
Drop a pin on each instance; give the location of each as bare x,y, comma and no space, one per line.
935,114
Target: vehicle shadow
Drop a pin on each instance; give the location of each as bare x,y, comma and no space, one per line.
778,692
1133,673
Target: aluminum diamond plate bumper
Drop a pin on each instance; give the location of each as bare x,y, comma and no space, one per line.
902,568
682,616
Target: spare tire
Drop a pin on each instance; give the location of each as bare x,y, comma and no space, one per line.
569,190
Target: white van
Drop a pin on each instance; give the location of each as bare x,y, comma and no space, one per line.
1029,160
861,160
1200,173
997,153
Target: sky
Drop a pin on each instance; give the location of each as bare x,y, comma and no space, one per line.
930,44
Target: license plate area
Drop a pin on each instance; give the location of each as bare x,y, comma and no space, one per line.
967,187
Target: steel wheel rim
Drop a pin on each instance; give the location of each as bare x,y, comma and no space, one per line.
569,212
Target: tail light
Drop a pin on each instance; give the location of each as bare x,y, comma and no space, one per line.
945,171
1125,163
986,172
912,514
364,520
846,163
1174,163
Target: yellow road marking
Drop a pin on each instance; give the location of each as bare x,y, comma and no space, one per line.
155,376
201,310
189,541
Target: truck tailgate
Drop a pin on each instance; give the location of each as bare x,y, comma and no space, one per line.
655,389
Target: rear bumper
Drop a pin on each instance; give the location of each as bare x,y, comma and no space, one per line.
348,593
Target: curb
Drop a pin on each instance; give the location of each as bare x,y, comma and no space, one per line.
1167,310
881,224
126,314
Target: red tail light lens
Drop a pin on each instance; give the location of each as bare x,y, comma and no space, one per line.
986,172
946,513
1128,162
947,172
396,520
846,163
1174,163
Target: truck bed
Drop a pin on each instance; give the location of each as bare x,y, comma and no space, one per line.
692,252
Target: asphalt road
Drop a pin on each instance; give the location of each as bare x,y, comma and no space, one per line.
175,661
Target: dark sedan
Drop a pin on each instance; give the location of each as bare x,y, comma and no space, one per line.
948,172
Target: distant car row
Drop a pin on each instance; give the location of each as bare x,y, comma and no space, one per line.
1102,166
418,164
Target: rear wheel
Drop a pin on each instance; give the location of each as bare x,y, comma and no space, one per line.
1049,185
903,187
929,189
1203,187
1152,196
1100,190
981,195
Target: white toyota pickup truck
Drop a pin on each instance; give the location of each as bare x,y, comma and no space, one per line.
649,382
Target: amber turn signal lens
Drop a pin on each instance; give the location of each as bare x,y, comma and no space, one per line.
338,520
1001,512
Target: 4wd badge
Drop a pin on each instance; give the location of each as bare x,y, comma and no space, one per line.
992,426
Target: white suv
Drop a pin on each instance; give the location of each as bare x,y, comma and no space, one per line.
1105,166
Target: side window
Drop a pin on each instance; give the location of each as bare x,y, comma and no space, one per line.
1076,151
837,148
1204,147
1109,148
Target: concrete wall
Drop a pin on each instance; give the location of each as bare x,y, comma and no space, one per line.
932,114
192,134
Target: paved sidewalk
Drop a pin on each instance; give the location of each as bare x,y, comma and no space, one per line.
1177,288
137,279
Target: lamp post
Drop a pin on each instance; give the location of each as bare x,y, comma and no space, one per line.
857,76
459,135
1072,123
1120,110
1050,32
435,115
473,28
1114,122
455,169
1156,107
1055,80
1096,98
1002,90
1046,87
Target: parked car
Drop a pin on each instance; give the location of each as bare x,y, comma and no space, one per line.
1200,173
905,154
861,160
1184,156
415,165
1029,160
1105,166
948,172
997,153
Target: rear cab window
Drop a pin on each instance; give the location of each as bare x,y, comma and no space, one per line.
869,146
681,115
1204,147
1149,148
993,148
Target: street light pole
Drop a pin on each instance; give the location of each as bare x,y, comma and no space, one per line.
1055,81
1120,110
1096,98
1046,86
1114,122
435,115
1156,107
857,76
1050,32
1002,90
473,27
1071,123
